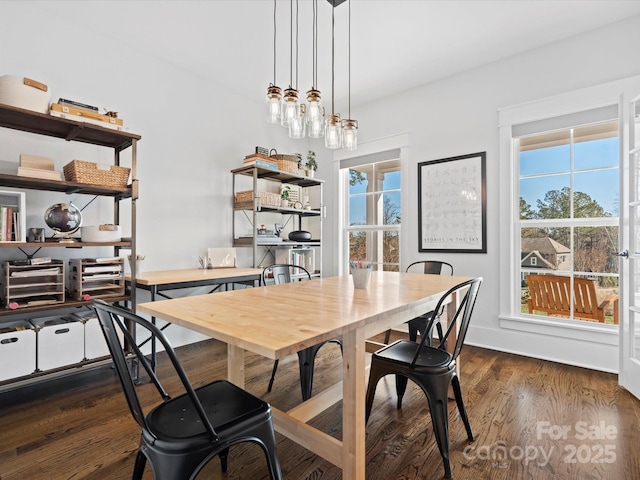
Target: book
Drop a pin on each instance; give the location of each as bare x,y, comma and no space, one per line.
78,118
9,234
39,173
258,156
260,163
73,103
71,110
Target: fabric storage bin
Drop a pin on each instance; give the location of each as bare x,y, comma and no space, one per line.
23,92
60,342
17,349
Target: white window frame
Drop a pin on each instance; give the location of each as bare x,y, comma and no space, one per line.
372,191
372,149
542,110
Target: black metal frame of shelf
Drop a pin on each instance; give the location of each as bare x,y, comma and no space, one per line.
255,207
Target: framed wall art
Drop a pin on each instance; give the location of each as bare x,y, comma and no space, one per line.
452,204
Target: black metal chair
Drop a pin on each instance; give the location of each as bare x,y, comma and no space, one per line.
432,369
282,273
184,432
423,324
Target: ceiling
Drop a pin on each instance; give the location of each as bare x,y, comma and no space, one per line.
395,45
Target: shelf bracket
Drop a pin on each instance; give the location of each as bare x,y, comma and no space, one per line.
29,257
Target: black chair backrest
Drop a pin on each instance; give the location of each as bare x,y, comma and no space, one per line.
113,320
282,273
462,315
434,267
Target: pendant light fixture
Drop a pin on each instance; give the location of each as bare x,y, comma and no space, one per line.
290,99
332,131
274,93
315,111
298,125
350,126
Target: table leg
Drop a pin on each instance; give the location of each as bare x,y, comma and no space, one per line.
353,405
235,365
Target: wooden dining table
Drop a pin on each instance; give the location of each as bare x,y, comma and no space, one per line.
279,320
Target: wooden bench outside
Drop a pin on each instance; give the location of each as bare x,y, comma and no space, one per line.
551,294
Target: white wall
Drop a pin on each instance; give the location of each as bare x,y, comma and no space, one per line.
459,115
191,139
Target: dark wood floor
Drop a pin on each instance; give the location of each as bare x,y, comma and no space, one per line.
529,417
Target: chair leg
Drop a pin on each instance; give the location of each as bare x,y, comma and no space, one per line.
138,468
413,331
224,455
305,360
437,398
387,335
455,383
273,375
375,375
268,443
401,388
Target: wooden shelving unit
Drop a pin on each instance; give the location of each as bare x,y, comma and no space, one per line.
254,209
72,131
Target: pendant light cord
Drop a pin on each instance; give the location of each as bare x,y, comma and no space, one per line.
333,62
314,47
349,45
291,44
297,16
274,42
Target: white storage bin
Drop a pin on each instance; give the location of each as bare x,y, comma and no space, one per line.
17,349
23,92
101,233
60,342
95,345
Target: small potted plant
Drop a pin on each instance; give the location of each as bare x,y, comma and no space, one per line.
311,166
284,196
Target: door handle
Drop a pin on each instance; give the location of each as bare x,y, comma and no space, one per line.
624,254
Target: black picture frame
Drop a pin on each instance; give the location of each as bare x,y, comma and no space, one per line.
452,204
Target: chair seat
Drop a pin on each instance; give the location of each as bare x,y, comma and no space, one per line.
177,418
402,352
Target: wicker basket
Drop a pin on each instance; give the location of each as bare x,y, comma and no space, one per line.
267,199
286,163
88,172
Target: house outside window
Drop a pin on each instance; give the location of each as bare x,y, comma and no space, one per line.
374,214
568,205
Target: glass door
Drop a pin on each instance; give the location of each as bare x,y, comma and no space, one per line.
630,322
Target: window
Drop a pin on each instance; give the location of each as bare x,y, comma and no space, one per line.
374,213
567,199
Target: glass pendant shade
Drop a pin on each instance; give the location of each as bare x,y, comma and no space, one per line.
333,132
289,106
349,134
316,128
274,98
315,114
298,125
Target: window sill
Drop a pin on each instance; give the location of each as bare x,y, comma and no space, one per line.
564,328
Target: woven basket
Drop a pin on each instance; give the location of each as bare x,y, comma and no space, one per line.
89,172
286,163
266,199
